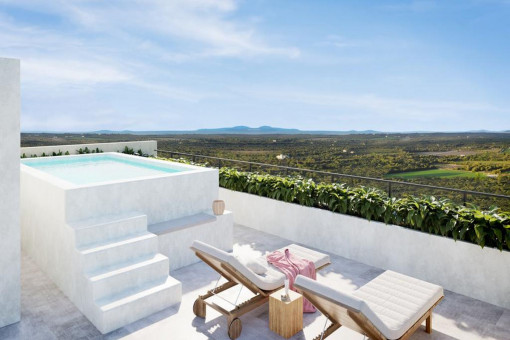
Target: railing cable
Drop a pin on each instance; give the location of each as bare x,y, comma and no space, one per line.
334,175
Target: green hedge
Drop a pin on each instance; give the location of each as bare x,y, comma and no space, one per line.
429,214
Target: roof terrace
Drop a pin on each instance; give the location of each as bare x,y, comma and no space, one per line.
47,314
110,259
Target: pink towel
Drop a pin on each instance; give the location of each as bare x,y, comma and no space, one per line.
291,266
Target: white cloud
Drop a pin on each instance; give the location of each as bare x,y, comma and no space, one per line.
126,42
173,92
203,27
40,71
374,43
370,105
52,61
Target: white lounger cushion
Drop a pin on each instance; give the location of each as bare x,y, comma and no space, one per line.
398,301
257,265
318,259
270,280
342,298
393,302
213,251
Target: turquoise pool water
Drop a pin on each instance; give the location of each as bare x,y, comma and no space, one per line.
89,169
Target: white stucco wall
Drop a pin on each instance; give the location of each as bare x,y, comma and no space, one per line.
160,197
52,244
54,214
147,147
461,267
44,233
175,245
9,191
164,198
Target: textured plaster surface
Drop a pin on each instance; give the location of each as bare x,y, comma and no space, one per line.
74,233
458,266
161,198
175,245
48,314
9,191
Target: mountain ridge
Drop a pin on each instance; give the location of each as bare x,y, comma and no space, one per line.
241,129
261,130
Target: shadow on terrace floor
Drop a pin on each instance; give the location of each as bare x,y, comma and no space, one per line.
48,314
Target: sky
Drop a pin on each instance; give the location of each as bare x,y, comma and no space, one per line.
390,66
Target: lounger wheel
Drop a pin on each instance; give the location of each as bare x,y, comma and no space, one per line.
235,328
199,308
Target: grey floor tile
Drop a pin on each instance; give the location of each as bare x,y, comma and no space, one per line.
48,314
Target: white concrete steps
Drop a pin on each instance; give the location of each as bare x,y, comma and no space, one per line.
125,308
119,251
175,236
125,275
95,230
116,279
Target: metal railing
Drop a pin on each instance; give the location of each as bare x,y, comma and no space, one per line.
334,175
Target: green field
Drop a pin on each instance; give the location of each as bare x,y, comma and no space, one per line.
441,173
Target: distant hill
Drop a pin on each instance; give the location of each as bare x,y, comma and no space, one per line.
248,130
262,130
239,130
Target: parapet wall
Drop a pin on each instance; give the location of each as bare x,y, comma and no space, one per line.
460,267
147,147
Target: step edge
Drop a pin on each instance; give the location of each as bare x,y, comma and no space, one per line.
131,238
76,224
122,268
106,304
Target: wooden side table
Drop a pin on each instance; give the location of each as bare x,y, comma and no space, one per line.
285,317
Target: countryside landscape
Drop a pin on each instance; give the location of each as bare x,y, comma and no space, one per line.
475,161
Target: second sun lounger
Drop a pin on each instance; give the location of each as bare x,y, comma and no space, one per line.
228,266
391,306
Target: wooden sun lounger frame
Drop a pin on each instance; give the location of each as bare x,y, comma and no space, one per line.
355,320
233,278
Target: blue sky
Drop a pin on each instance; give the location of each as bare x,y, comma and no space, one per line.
314,65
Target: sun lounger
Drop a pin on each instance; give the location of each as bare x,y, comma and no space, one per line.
391,306
235,272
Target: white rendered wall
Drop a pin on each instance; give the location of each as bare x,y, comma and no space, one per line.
49,205
9,191
147,147
51,243
460,267
161,199
176,244
44,233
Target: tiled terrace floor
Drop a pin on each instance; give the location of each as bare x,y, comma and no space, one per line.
48,314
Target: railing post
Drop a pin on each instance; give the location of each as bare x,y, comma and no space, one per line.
219,163
193,159
250,167
286,171
332,179
389,189
464,198
171,155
